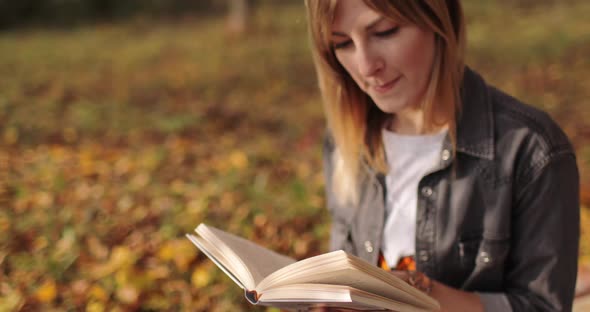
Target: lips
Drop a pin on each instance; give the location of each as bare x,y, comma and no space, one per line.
386,86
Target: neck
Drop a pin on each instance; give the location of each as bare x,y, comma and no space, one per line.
411,122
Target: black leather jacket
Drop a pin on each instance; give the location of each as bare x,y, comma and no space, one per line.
501,217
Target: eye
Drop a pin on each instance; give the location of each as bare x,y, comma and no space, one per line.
387,32
341,45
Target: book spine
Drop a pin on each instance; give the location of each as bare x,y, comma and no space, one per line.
252,296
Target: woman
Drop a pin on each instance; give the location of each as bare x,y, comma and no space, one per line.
471,195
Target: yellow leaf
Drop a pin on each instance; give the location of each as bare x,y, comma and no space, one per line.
95,306
238,160
122,257
10,136
181,251
47,291
11,300
196,206
166,252
184,253
201,277
98,293
158,272
122,277
87,162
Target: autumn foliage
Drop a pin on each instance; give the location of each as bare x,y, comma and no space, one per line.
116,139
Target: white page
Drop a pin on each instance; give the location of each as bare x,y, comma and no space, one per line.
299,295
219,259
339,268
259,261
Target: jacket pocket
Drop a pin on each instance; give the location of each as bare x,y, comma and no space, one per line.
485,260
492,254
478,251
467,251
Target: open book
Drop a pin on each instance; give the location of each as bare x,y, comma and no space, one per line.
334,279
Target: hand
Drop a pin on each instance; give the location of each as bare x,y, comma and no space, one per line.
416,279
450,299
401,274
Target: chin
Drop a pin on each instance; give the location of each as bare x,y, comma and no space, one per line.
389,108
394,104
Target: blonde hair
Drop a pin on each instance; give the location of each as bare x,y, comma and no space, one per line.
354,121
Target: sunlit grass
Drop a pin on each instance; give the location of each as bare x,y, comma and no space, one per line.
519,36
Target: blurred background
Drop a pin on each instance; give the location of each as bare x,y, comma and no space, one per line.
124,124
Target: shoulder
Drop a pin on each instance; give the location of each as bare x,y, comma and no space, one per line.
494,124
527,137
526,123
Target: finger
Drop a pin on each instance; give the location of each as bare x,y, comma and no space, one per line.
401,274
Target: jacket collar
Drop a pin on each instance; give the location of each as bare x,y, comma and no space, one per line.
475,124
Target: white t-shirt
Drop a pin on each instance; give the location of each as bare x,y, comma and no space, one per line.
409,157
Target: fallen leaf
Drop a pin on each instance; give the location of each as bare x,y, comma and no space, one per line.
47,292
98,293
238,160
201,276
127,294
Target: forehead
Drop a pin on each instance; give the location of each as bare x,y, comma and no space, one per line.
349,14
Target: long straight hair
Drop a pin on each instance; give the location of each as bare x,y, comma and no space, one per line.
354,120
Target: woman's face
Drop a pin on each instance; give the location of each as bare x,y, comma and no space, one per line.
389,61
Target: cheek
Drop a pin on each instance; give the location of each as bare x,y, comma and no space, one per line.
418,54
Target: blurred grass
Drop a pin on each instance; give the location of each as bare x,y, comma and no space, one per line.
117,139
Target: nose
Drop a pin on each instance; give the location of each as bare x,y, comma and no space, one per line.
369,62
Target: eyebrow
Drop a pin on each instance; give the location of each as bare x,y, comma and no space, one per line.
371,25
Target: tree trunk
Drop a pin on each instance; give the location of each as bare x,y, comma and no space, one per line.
237,19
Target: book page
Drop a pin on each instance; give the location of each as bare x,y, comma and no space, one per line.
244,255
219,259
300,296
340,268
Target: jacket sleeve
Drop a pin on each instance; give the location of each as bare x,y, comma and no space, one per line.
340,228
542,264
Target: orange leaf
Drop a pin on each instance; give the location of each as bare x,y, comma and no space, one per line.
47,291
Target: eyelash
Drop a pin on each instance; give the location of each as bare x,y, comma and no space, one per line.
388,32
381,34
341,45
